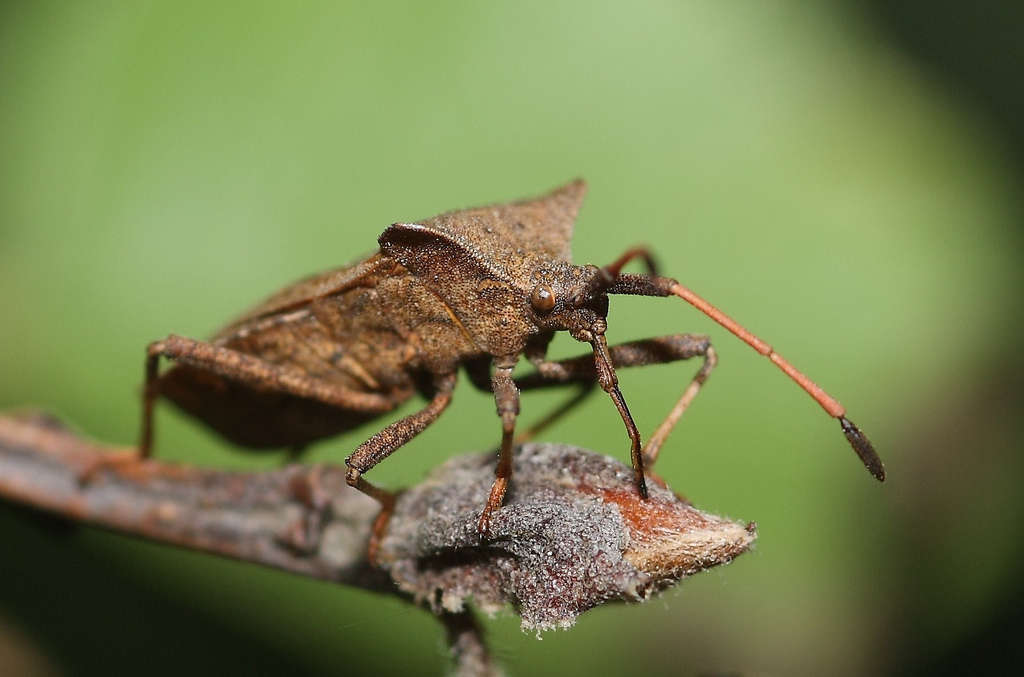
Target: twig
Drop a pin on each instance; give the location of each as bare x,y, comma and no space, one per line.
573,533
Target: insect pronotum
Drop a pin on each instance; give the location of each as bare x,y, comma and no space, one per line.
474,288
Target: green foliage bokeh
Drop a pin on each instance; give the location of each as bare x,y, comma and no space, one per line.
164,165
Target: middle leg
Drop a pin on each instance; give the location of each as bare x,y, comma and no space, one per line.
380,446
506,398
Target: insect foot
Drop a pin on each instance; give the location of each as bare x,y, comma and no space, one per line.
304,534
385,498
118,461
494,500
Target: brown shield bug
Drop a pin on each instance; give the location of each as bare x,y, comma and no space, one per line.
475,288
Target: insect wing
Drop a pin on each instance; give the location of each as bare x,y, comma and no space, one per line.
306,291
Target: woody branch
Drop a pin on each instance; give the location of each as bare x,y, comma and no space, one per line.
565,505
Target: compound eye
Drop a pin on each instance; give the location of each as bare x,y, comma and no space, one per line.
542,298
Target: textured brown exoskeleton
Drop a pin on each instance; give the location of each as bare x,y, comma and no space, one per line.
475,288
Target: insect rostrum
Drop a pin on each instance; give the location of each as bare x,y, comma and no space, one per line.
475,288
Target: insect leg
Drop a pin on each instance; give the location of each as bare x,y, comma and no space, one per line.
479,373
539,426
615,267
659,350
145,436
506,397
249,370
380,446
536,352
149,395
681,347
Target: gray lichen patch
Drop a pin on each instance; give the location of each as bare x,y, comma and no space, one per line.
573,533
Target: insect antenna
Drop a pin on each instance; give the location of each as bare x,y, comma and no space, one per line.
613,269
651,285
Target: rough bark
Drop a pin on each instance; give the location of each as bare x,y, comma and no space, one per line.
572,534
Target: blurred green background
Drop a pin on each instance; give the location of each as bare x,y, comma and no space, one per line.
845,179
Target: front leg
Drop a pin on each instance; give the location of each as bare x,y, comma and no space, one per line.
506,398
660,350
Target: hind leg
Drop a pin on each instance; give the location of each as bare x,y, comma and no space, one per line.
247,370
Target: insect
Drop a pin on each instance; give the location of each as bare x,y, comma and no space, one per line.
475,289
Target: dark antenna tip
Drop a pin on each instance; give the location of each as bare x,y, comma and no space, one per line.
861,445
